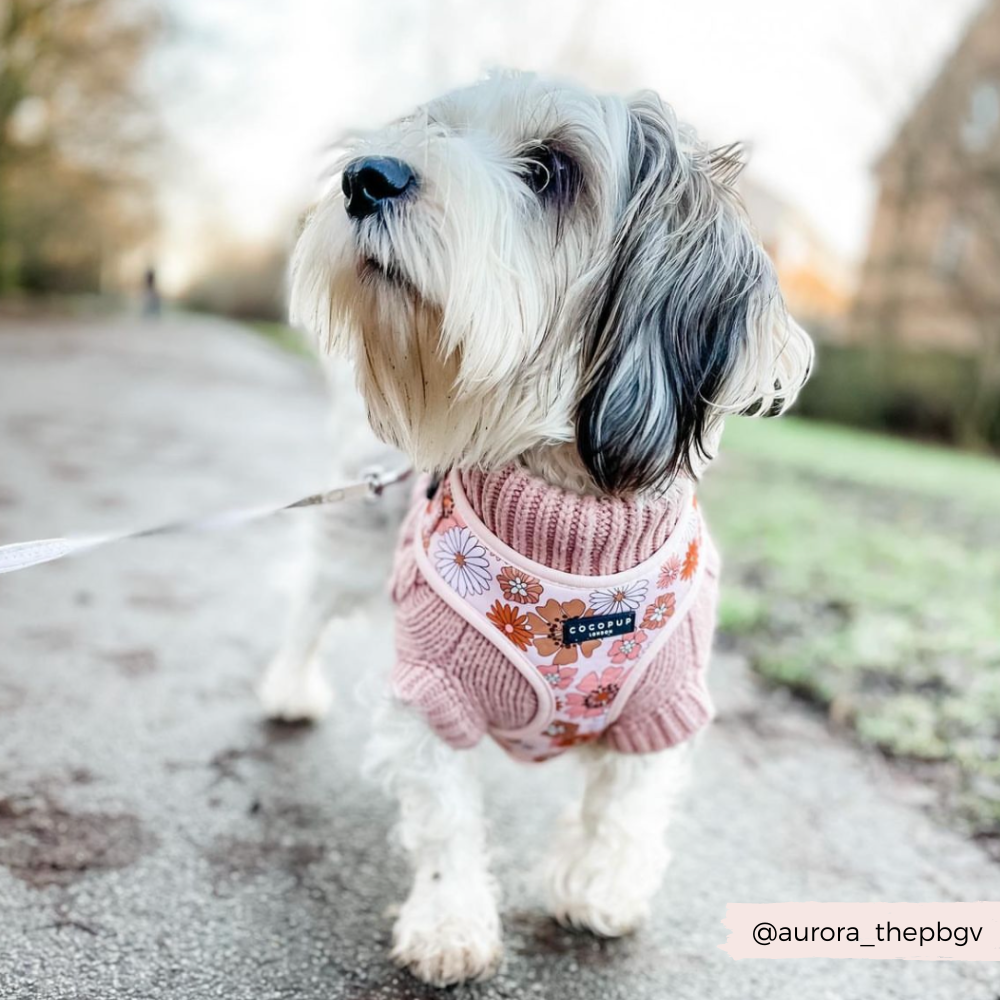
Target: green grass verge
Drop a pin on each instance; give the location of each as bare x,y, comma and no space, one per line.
864,573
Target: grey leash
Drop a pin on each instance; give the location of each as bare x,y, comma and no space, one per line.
21,555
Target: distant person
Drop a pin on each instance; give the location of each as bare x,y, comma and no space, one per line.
150,296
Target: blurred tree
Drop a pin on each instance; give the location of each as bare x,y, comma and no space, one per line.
77,133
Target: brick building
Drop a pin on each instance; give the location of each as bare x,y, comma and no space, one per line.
932,273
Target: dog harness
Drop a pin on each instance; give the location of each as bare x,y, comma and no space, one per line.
582,642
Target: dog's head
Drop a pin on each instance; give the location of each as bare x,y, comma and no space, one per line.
523,265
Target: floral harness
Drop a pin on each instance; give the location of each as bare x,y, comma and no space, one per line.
582,642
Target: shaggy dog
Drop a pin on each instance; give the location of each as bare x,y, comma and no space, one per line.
551,299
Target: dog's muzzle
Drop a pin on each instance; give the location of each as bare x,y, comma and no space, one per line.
372,182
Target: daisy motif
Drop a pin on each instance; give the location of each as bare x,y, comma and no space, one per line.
628,647
627,597
462,562
594,694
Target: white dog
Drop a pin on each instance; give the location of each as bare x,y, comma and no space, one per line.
551,300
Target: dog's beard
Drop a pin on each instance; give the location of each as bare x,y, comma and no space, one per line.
414,393
440,344
402,376
391,329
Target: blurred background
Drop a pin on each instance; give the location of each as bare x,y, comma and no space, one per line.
189,139
162,155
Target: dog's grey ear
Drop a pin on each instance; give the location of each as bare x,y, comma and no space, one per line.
689,323
726,163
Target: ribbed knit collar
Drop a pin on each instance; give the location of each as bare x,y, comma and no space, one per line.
566,531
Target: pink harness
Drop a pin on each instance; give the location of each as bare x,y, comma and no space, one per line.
582,642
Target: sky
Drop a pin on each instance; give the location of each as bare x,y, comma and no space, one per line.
255,92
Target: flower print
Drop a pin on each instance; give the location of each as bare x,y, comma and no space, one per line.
594,694
659,611
628,647
547,627
518,586
617,599
669,572
559,677
512,624
567,734
690,561
462,562
446,518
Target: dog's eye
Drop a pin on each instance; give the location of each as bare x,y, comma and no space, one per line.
550,173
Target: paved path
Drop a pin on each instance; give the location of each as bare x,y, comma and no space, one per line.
157,840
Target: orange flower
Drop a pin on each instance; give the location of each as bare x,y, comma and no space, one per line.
659,611
690,561
547,627
446,517
518,586
510,623
567,734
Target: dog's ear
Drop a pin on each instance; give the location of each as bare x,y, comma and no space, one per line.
689,324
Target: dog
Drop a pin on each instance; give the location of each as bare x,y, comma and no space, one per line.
550,300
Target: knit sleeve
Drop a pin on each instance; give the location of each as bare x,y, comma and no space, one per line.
422,623
433,693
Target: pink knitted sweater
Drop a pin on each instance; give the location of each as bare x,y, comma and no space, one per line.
467,686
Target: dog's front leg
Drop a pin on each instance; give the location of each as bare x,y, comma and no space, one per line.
611,853
448,930
348,559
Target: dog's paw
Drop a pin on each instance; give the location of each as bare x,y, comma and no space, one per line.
603,916
601,888
444,937
294,694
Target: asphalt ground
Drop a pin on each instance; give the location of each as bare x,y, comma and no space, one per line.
158,839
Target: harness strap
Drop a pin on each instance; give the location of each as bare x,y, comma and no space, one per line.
582,642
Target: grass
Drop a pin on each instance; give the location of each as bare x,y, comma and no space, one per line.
862,572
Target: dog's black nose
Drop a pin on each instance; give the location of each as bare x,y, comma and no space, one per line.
373,181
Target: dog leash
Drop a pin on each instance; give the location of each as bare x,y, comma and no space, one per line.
21,555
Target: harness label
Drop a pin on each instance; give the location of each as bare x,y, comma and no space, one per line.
597,627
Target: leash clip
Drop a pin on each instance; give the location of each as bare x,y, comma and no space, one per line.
377,479
374,476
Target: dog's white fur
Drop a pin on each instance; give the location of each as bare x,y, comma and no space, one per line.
598,334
